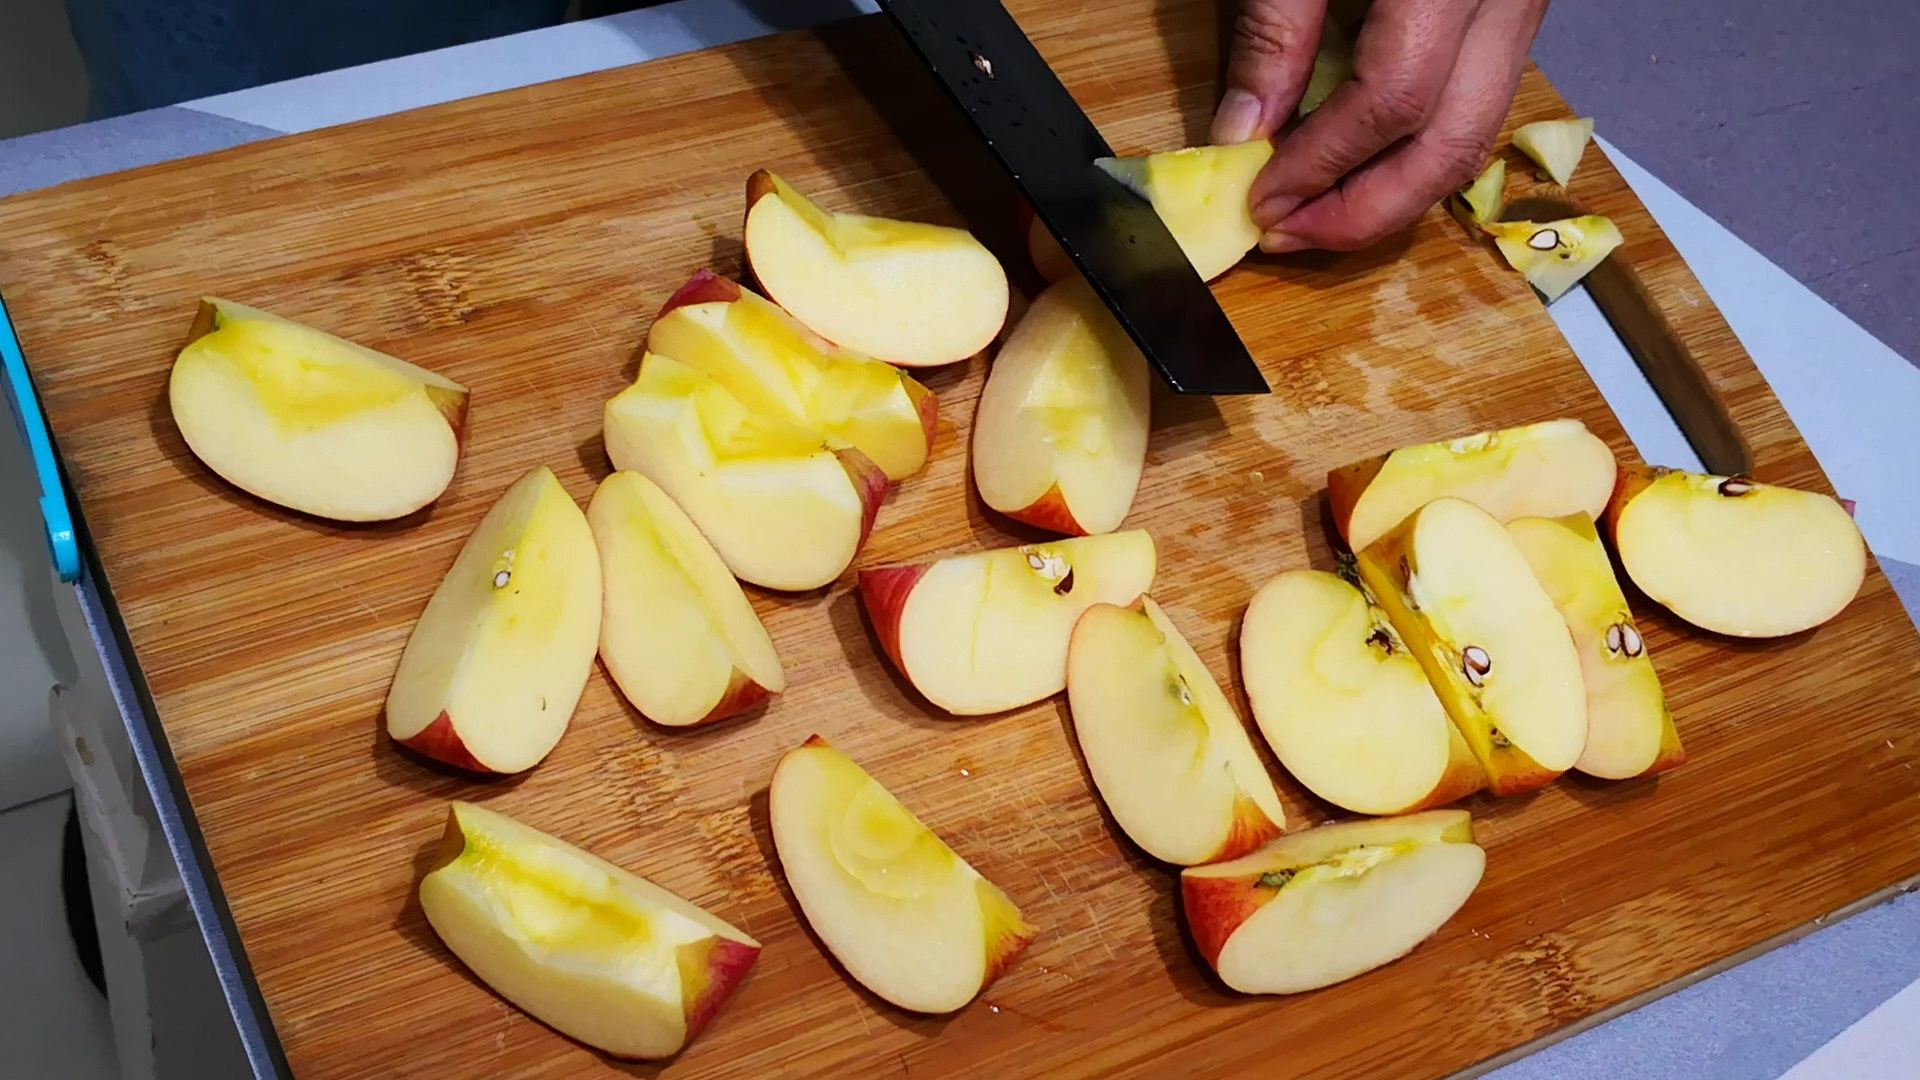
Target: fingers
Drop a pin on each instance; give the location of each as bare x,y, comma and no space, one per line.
1401,63
1269,60
1392,191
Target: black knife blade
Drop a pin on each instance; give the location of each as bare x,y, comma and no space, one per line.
1046,143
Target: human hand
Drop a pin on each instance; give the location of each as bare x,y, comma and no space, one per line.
1432,83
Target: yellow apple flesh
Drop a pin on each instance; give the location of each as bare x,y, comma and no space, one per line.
1201,193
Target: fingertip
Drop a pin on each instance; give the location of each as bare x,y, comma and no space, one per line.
1276,242
1238,119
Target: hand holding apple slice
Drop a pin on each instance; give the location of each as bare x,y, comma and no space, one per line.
1734,556
1167,752
1497,652
497,662
1344,703
1629,730
914,922
1537,470
988,632
1314,908
590,950
1201,193
310,421
678,636
911,294
1061,433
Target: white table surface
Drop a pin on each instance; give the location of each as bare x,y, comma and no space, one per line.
1852,397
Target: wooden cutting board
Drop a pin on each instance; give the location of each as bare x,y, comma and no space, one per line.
520,242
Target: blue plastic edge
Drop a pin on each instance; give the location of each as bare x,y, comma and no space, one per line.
25,405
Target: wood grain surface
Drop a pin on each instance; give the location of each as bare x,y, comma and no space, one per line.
520,242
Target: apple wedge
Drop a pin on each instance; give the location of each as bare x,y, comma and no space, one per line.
1537,470
1201,193
1317,907
785,506
908,918
590,950
988,632
310,421
497,661
1463,599
1344,703
1629,730
678,636
1167,752
1734,556
772,363
911,294
1060,437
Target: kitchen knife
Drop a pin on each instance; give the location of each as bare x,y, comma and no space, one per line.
1044,140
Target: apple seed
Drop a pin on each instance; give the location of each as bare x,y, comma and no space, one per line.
1616,639
1381,639
501,577
1630,640
1065,584
1544,240
1498,739
1475,664
1735,486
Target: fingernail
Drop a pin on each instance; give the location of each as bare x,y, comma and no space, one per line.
1273,210
1275,242
1238,118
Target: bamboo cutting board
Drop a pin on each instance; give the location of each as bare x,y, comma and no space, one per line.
519,243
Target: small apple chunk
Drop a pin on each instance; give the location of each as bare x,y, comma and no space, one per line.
1537,470
988,632
1201,193
785,506
1734,556
1317,907
1629,730
1464,600
1166,749
1555,255
909,293
310,421
678,636
1555,145
594,952
1060,437
905,915
774,364
497,662
1344,703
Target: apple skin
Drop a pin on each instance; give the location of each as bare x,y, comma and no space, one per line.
440,742
1346,484
1050,512
704,287
1634,477
871,482
1251,828
725,965
927,406
742,694
884,592
454,407
1010,935
1216,907
1462,778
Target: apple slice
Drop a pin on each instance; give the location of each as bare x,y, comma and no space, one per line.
590,950
1166,749
1486,197
1464,600
496,663
772,363
1555,255
310,421
1061,433
678,636
1734,556
988,632
911,920
1314,908
1202,194
912,294
785,506
1629,730
1537,470
1344,703
1555,145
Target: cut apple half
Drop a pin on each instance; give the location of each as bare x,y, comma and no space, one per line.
1735,556
988,632
1060,437
1555,145
1317,907
1537,470
1202,194
911,294
594,952
773,363
1167,752
495,665
1629,730
678,636
310,421
1463,599
905,915
1555,255
786,507
1343,701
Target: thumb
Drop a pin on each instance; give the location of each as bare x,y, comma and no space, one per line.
1269,61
